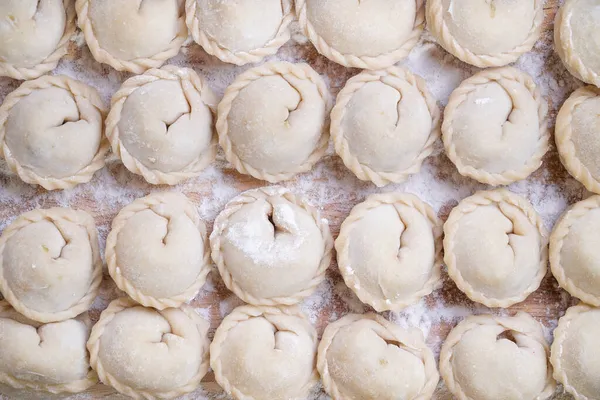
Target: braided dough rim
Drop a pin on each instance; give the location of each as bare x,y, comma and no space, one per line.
122,218
518,323
483,198
78,217
93,346
189,80
71,387
75,88
457,98
51,61
212,47
136,65
439,29
244,313
560,334
563,133
397,333
250,196
560,232
342,244
564,47
381,61
301,71
342,147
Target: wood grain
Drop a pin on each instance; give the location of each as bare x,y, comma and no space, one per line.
116,187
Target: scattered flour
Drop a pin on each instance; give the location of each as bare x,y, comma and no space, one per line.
329,186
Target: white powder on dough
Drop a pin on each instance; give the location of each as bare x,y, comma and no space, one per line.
329,186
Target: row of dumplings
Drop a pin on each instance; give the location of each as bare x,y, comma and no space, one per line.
136,36
275,120
272,250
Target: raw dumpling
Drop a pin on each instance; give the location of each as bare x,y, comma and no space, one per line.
47,357
51,132
577,136
574,250
364,357
486,357
272,121
389,250
575,353
576,38
384,125
373,34
240,31
495,126
149,354
271,247
496,248
265,353
161,125
50,266
34,36
132,35
157,251
486,33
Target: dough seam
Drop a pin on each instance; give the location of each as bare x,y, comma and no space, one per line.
342,245
136,65
76,89
459,95
560,232
394,333
241,314
560,334
142,204
564,47
439,29
50,62
93,346
79,218
509,323
189,80
342,147
249,197
300,71
239,57
365,62
563,133
485,198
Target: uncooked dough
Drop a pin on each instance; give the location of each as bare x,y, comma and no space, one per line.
50,266
157,250
495,126
264,353
496,248
161,125
486,33
272,121
51,132
487,357
149,354
576,38
363,357
132,35
271,247
240,31
373,34
389,250
34,36
384,124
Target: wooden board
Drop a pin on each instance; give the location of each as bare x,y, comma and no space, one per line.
329,186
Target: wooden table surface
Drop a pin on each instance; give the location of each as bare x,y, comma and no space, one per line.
330,187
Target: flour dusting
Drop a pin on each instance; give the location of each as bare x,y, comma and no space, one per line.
330,187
